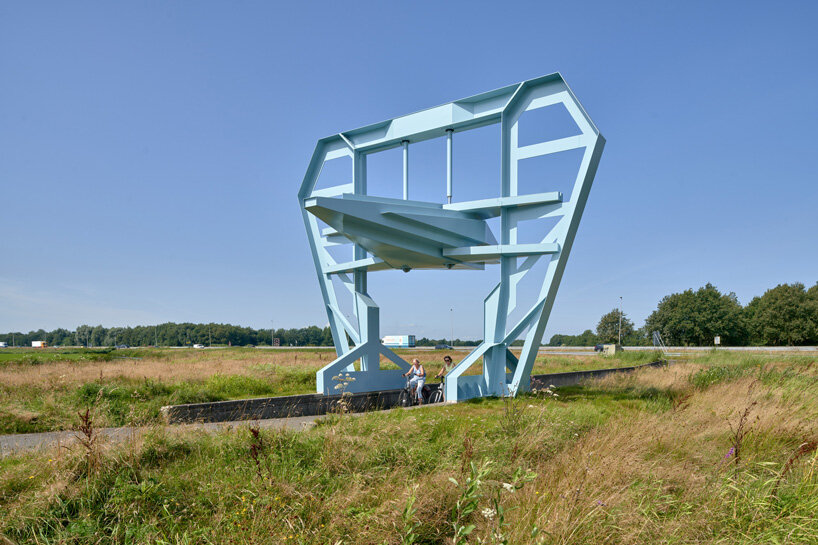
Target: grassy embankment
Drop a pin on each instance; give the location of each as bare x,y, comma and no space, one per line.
720,449
43,390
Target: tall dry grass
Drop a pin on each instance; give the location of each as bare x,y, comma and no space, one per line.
633,459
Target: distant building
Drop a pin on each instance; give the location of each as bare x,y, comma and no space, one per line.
38,344
399,341
4,344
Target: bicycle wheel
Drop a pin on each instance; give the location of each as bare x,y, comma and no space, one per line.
404,399
436,396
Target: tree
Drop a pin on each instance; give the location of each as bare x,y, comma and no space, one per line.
607,330
784,315
586,338
696,317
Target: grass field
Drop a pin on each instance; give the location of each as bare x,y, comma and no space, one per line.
43,390
718,449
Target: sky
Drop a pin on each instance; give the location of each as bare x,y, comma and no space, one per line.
151,152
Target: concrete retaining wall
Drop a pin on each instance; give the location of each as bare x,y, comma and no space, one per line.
316,404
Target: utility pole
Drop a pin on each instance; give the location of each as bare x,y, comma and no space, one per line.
272,334
210,337
620,320
155,336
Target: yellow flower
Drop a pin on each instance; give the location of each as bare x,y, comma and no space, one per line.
31,477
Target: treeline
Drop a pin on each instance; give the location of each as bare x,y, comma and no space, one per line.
187,334
172,334
786,315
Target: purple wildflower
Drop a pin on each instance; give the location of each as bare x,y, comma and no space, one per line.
730,453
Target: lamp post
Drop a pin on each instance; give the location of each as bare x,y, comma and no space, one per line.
620,320
451,320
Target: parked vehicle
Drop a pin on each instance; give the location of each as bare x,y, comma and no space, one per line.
599,348
443,347
198,346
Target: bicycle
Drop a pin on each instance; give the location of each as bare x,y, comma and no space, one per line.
408,396
436,396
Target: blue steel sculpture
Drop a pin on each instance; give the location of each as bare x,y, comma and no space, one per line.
404,234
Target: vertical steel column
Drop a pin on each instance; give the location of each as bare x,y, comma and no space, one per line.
449,164
359,185
405,170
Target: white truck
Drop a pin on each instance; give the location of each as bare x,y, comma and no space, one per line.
38,344
399,341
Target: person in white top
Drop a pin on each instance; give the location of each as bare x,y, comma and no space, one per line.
418,379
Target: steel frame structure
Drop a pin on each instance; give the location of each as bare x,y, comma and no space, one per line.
406,234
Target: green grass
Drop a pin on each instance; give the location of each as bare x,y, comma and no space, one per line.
122,402
37,356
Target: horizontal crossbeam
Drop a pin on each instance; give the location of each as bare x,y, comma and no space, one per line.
491,208
349,266
479,253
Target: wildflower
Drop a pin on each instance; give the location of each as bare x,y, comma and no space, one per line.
531,406
488,513
509,487
339,386
31,476
598,502
730,453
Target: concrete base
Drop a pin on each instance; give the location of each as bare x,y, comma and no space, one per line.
316,404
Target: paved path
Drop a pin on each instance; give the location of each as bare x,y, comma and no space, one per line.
10,444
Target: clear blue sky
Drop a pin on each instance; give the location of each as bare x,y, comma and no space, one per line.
150,152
